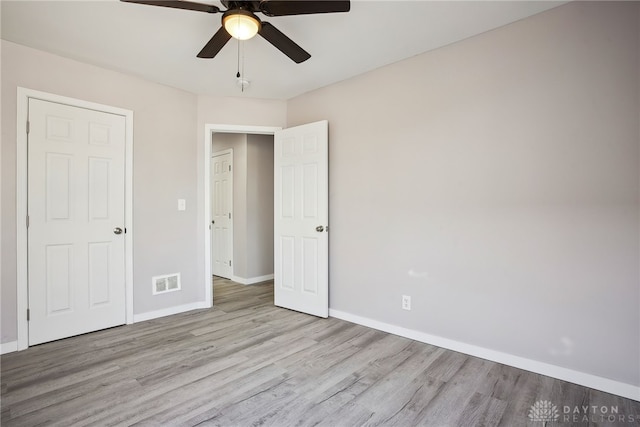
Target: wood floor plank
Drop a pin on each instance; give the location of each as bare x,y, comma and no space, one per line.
403,407
482,411
419,359
527,390
351,414
456,394
246,362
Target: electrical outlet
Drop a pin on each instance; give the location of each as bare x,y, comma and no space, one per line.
406,302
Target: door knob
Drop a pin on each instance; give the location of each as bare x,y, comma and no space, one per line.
117,230
319,229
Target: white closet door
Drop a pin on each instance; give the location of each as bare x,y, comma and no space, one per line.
76,184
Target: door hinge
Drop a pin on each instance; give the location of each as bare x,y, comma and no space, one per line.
229,168
28,127
229,263
229,215
27,221
28,315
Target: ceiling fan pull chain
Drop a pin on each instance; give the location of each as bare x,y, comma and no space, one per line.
238,73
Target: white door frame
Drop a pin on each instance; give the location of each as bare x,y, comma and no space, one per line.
233,217
22,193
209,130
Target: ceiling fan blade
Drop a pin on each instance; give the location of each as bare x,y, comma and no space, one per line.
177,4
283,43
213,46
303,7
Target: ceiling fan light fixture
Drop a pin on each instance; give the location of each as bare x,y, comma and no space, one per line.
241,24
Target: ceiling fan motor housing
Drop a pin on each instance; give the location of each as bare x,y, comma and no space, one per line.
251,6
241,24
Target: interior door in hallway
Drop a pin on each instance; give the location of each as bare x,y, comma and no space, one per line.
76,193
222,214
301,205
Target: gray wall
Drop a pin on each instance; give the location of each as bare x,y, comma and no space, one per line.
496,181
164,158
252,202
260,205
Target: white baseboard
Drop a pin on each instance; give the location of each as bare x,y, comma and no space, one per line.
8,347
252,280
169,311
592,381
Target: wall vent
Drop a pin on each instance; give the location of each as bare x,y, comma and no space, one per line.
166,283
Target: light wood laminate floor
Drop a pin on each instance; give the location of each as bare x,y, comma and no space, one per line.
248,363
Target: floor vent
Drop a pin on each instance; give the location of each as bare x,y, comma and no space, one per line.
166,283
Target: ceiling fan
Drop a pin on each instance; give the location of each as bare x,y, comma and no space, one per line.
240,21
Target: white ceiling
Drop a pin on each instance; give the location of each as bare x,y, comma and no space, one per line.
160,44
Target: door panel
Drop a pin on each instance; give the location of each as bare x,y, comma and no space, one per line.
76,181
59,262
99,274
301,219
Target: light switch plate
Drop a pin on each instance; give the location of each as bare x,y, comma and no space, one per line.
406,302
182,205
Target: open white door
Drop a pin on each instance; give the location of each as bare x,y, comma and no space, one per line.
301,205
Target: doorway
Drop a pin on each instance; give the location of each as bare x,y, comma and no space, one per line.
252,206
300,156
